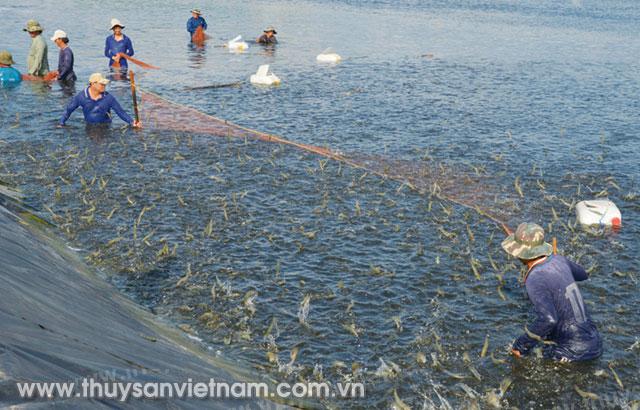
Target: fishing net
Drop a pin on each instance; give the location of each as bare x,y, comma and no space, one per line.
467,189
199,36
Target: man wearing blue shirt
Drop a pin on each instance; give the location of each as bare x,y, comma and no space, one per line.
65,58
116,45
562,324
8,74
96,104
196,20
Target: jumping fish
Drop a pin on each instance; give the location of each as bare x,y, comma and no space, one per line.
497,361
303,311
586,394
615,375
537,338
518,187
398,404
185,278
387,371
485,346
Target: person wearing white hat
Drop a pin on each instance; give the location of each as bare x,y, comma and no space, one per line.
118,45
97,104
65,58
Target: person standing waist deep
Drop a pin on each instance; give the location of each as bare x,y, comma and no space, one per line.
8,75
116,45
65,58
96,104
37,62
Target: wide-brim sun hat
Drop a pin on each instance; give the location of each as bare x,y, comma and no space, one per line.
270,28
197,11
33,26
58,34
6,58
527,242
98,78
114,23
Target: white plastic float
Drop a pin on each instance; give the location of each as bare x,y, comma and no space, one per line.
598,212
328,56
236,45
264,77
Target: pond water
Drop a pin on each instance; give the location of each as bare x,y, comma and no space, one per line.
261,250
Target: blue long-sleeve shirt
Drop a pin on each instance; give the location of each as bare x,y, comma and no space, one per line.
65,65
95,111
113,47
193,24
561,316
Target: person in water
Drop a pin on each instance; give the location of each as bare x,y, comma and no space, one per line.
96,104
65,58
37,61
8,74
196,20
562,321
268,37
116,45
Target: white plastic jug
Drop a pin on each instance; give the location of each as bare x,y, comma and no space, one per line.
598,212
237,45
328,56
264,77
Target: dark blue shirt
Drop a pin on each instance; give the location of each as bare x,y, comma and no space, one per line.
113,47
264,39
95,111
561,316
193,24
65,65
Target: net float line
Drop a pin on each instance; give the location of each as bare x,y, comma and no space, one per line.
162,113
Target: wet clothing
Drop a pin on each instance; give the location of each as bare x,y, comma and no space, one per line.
113,47
37,61
95,111
561,316
65,65
264,39
9,76
193,24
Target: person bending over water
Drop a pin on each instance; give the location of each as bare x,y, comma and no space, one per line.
96,104
562,321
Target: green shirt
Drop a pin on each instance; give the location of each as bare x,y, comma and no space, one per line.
37,62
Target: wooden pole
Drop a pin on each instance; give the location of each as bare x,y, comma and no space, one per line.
133,96
555,246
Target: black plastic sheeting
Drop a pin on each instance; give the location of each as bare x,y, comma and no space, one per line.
61,322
